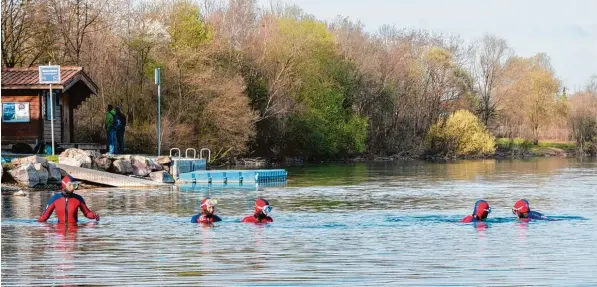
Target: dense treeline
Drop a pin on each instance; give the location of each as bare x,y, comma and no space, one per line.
275,82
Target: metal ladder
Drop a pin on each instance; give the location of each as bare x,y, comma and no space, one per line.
186,153
186,156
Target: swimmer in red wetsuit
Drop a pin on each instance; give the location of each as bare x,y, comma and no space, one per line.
67,204
522,210
262,211
208,207
480,212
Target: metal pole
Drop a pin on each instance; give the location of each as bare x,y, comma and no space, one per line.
51,103
158,82
159,123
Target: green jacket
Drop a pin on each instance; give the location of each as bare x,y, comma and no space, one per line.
110,120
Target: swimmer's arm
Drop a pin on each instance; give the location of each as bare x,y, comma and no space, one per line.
467,219
537,215
47,213
88,213
83,207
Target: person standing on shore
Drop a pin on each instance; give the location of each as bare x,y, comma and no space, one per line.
110,129
120,127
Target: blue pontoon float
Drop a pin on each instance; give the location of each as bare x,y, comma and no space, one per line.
192,169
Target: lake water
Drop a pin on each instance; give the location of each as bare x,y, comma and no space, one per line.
365,224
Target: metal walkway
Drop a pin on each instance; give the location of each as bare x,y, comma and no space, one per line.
107,178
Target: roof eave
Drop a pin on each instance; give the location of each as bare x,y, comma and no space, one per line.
82,76
31,87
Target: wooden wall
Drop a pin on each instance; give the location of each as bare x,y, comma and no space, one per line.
23,132
57,122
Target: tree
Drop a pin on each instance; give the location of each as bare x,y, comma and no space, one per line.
27,32
529,93
592,85
74,20
541,103
584,120
489,55
143,35
186,51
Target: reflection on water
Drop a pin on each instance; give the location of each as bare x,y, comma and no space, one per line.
392,223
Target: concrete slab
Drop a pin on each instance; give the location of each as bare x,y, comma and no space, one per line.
107,178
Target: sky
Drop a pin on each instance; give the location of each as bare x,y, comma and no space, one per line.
566,30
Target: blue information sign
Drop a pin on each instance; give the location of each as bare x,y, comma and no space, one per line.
157,76
17,112
49,74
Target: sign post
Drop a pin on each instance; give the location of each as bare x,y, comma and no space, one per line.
157,82
50,75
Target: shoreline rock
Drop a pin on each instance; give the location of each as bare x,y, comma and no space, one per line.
25,174
161,176
35,171
75,157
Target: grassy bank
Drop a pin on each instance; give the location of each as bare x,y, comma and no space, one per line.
52,158
520,146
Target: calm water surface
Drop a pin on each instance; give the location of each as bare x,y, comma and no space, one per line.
351,224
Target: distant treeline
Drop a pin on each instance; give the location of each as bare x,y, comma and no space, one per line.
275,82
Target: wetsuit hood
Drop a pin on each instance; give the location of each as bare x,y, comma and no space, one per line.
68,180
521,206
481,210
262,206
207,202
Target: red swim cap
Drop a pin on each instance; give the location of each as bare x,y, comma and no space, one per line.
69,179
260,205
482,209
208,202
522,206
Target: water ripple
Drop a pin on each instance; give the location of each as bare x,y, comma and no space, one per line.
378,224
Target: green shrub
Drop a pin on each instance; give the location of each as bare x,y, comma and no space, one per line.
315,136
462,133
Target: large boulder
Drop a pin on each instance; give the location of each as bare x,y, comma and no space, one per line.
163,160
25,174
94,154
42,173
140,168
154,166
122,157
122,166
54,175
140,159
161,176
75,157
102,162
32,160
